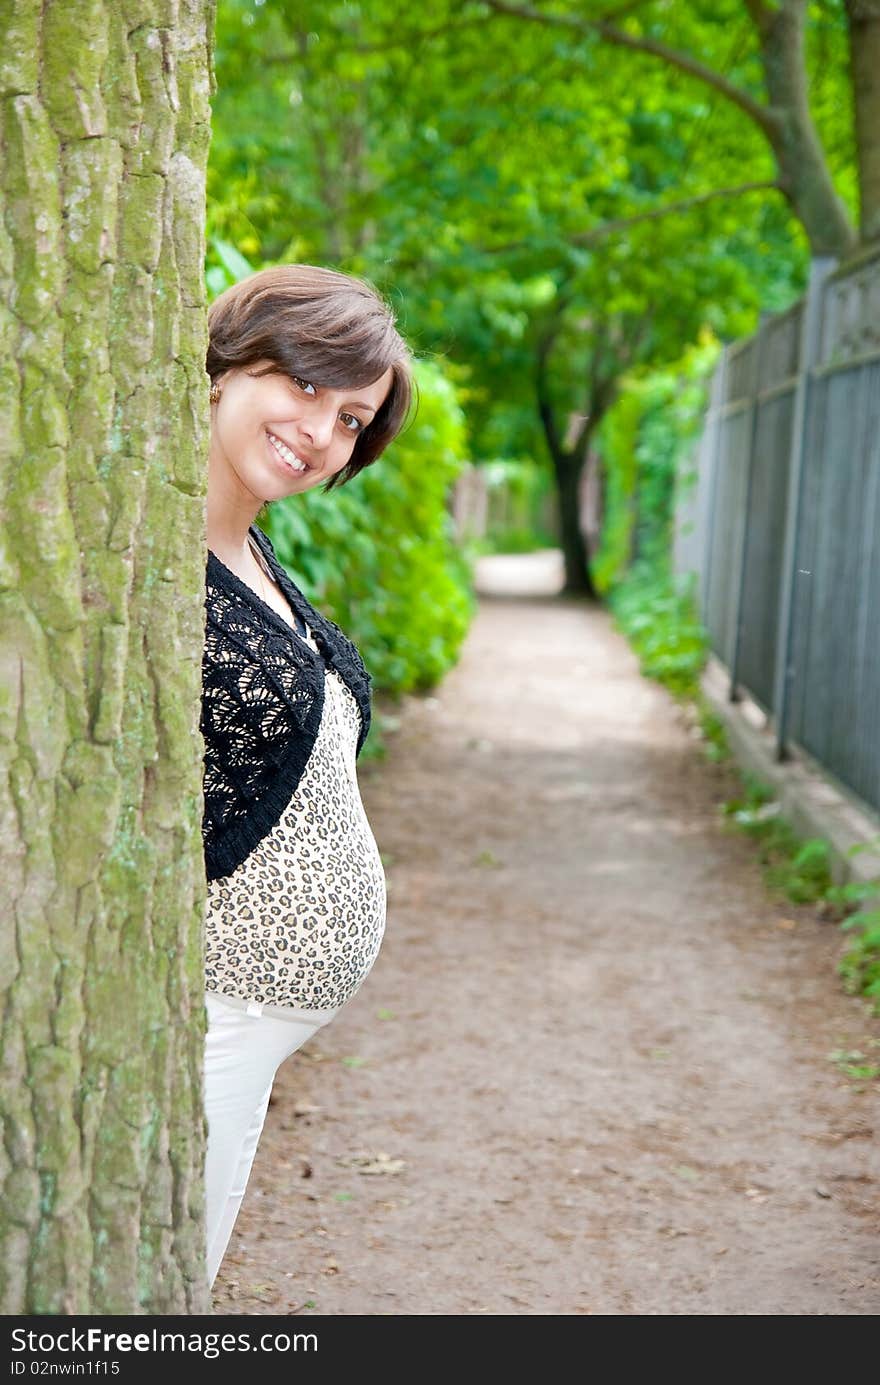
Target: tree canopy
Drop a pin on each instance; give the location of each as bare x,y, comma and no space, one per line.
553,195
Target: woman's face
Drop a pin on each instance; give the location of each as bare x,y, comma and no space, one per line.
277,436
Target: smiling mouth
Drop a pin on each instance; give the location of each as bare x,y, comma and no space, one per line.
290,459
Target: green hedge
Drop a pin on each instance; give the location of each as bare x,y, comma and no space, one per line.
643,442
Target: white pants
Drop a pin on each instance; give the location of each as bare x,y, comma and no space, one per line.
244,1047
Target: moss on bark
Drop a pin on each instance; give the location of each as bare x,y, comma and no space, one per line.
104,132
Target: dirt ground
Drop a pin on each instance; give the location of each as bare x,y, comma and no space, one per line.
590,1072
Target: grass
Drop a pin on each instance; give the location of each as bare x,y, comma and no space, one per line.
855,1064
860,965
796,869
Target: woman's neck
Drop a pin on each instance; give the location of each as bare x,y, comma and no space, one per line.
230,515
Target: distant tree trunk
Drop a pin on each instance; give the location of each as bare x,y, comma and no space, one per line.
568,464
578,582
864,29
104,133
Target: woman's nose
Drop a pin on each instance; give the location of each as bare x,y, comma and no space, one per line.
317,426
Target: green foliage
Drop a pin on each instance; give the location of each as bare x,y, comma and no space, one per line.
343,135
520,507
225,265
798,870
801,872
378,556
716,746
853,1063
860,964
657,613
643,444
617,444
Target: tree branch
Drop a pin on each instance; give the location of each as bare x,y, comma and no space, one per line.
408,40
610,228
762,115
620,11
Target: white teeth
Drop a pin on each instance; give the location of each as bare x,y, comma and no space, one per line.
285,453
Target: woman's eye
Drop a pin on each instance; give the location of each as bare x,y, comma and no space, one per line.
305,385
354,425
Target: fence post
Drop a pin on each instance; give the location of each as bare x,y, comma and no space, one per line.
754,390
810,339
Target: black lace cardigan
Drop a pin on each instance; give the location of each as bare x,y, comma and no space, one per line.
262,699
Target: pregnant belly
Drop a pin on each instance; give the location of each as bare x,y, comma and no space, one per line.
301,920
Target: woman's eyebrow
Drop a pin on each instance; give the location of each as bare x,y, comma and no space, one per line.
361,404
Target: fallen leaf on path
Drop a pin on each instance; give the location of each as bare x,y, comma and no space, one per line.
373,1163
487,858
786,923
685,1171
305,1108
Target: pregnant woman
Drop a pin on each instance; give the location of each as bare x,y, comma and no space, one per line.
310,381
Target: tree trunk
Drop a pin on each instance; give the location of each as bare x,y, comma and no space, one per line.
104,133
864,35
805,177
567,469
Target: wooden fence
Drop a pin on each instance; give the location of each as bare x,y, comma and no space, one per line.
782,525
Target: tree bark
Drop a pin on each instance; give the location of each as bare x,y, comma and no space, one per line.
805,178
864,43
104,133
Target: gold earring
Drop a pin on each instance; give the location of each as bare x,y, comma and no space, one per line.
216,391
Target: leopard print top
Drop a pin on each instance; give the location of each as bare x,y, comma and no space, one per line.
300,921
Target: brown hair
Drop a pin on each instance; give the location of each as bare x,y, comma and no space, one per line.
326,327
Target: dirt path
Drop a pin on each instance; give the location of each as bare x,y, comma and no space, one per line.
597,1047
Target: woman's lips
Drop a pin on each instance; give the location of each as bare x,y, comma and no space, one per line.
286,456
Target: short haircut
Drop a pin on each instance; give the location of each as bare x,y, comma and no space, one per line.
323,326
